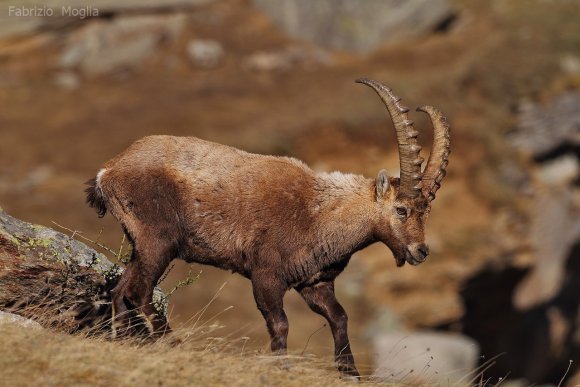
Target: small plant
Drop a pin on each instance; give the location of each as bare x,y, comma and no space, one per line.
113,274
161,300
187,281
124,258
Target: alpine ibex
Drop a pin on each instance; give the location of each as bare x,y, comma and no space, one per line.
271,219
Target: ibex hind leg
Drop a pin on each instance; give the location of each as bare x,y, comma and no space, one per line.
133,297
122,314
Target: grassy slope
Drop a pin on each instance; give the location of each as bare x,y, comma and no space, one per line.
41,357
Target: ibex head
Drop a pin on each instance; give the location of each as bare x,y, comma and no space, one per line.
404,203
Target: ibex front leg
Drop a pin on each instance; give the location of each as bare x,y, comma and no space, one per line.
322,300
269,296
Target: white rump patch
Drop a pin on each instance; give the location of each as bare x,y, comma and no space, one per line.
99,176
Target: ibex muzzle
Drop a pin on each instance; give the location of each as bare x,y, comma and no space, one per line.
271,219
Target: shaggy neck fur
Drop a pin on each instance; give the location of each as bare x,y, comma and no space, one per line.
346,210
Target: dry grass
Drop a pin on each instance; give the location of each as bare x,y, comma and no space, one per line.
43,357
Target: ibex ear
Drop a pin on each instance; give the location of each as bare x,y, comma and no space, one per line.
382,184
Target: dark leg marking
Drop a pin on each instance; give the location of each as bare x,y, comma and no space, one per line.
269,299
322,300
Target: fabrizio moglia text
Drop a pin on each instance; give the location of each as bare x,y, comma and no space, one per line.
44,11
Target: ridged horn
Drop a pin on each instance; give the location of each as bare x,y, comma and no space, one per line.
435,169
409,158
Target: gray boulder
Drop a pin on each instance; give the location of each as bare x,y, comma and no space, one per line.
30,241
56,280
555,229
11,318
559,172
542,129
356,25
424,357
205,53
67,80
105,46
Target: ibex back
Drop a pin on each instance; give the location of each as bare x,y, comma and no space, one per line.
271,219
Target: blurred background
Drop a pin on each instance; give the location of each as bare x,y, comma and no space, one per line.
81,80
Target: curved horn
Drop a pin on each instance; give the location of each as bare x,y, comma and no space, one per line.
438,159
409,158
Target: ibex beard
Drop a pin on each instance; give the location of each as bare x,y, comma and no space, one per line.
271,219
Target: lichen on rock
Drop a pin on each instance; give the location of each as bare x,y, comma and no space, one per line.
54,279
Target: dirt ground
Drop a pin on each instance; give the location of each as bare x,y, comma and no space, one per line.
494,54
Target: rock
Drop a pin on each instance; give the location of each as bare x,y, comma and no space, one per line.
286,58
551,135
105,46
544,129
205,53
424,357
355,25
55,279
67,80
34,241
11,318
527,308
570,64
555,228
561,171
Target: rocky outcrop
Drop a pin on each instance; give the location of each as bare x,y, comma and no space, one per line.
54,279
355,25
550,136
527,309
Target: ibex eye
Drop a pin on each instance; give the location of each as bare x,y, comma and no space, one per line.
401,211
